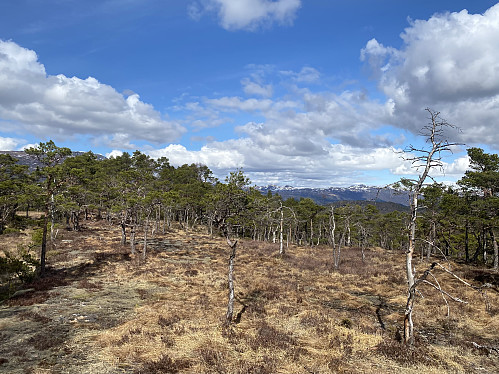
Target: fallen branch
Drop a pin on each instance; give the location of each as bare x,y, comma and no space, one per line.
488,349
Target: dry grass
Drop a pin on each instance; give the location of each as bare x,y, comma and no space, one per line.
295,314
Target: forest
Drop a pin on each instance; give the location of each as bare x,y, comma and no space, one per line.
140,195
140,199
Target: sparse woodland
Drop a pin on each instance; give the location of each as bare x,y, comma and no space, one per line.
122,265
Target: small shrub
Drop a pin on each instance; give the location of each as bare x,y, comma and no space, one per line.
164,365
86,284
10,230
23,268
167,341
36,237
266,366
33,316
312,320
344,343
29,299
406,354
214,358
269,337
345,322
168,321
43,341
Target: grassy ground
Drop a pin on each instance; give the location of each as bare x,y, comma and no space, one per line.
103,310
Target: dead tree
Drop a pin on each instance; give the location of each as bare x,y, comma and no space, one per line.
232,257
423,160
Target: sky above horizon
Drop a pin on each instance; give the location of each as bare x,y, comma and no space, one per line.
307,93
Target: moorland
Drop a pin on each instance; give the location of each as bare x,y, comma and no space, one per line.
101,309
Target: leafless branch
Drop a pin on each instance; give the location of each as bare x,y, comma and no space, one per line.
487,348
434,246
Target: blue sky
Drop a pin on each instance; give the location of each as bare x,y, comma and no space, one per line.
295,92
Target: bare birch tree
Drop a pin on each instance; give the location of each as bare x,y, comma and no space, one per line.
232,257
423,160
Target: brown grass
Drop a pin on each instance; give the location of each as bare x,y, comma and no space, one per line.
294,314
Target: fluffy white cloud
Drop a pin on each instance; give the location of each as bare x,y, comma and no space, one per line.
306,75
297,140
114,153
236,104
59,106
247,14
254,88
449,63
216,158
10,144
337,165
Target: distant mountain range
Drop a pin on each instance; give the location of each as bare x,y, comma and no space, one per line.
339,195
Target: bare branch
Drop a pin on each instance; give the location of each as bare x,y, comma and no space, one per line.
487,348
434,246
443,292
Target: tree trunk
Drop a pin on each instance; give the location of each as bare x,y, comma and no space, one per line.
75,220
281,244
431,241
496,249
146,227
43,250
466,243
230,304
132,238
123,233
349,239
408,324
311,232
52,217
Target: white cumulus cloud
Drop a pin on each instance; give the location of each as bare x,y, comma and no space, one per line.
10,144
449,63
247,14
60,107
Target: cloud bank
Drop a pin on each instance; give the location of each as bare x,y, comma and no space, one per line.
60,107
289,127
449,63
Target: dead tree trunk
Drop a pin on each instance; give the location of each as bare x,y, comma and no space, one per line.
132,234
281,244
230,304
332,228
146,227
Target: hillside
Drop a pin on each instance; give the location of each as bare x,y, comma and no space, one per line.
102,310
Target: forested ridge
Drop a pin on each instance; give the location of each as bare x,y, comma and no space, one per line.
141,194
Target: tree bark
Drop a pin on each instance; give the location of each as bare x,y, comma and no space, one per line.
281,244
132,238
496,249
123,233
144,249
466,243
43,250
230,304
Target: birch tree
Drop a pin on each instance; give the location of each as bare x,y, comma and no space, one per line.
424,160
